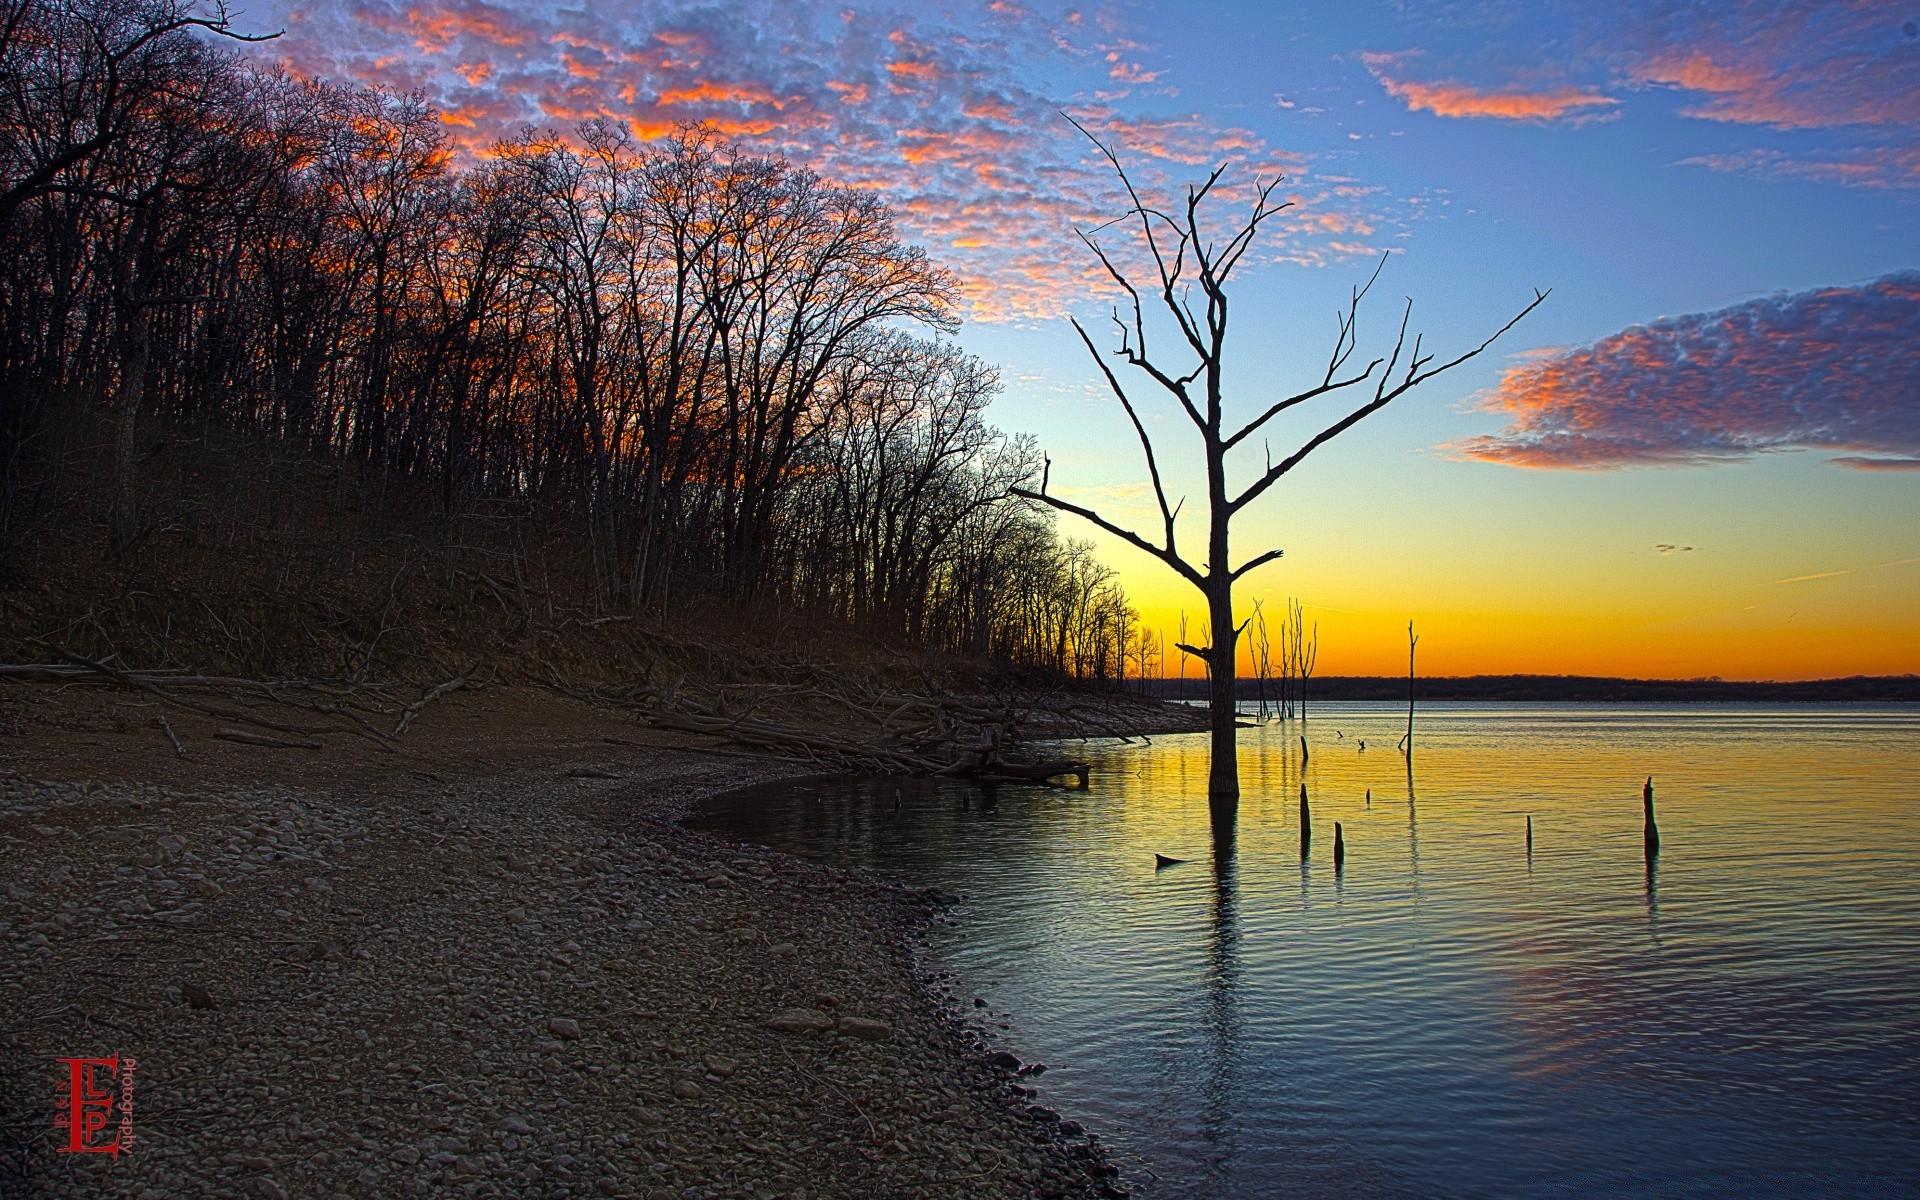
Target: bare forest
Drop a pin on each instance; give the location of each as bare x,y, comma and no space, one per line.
292,332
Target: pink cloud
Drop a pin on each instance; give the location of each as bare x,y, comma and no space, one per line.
945,112
1790,66
1865,167
1450,99
1831,369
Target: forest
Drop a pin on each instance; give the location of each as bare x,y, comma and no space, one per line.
257,317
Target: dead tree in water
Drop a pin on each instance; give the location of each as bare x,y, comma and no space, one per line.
1306,650
1262,656
1406,743
1188,262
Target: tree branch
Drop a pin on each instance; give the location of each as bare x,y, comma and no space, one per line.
1146,444
1127,535
1383,396
1258,561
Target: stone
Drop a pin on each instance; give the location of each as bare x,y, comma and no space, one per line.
783,950
798,1020
267,1189
319,885
687,1089
564,1028
1003,1060
196,995
406,1155
864,1028
328,950
205,887
514,1125
721,1066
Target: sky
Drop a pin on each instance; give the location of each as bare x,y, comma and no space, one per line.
1699,457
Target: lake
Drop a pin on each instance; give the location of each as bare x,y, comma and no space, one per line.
1448,1014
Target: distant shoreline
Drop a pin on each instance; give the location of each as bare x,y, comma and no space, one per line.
1566,688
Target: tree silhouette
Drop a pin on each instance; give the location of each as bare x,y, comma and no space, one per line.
1183,258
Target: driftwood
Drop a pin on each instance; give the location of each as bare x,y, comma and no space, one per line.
261,739
904,734
349,706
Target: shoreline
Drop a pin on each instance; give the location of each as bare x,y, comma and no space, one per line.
491,965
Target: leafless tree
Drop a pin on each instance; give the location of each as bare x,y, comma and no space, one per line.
1185,256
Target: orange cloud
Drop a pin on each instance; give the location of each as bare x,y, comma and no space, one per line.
849,93
1459,100
704,92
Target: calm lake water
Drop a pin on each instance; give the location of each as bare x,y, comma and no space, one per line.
1447,1015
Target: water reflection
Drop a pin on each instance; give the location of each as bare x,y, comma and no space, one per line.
1219,1018
1739,1016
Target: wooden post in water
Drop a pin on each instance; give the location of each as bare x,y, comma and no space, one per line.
1303,752
1306,824
1652,831
1369,797
1529,835
1339,847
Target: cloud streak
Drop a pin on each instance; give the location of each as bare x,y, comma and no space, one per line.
1833,369
1450,99
1900,562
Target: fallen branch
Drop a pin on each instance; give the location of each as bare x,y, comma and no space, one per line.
261,739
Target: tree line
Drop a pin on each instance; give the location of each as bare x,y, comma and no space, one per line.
717,373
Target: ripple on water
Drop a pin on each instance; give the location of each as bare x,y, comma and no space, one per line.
1447,1016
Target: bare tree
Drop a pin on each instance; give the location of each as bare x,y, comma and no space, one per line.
1183,256
77,78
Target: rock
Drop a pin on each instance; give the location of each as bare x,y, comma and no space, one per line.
1003,1060
783,950
267,1189
722,1066
687,1089
1072,1129
204,887
514,1125
406,1155
319,885
196,995
798,1020
564,1028
864,1028
328,950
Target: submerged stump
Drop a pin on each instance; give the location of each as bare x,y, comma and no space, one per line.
1652,832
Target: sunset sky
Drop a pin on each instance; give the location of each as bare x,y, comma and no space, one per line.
1700,457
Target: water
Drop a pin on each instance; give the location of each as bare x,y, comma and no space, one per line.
1446,1016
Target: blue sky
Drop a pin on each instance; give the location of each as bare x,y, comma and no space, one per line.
1627,484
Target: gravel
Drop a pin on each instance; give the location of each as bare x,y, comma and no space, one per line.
515,984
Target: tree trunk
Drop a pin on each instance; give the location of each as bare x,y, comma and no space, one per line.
1223,780
124,524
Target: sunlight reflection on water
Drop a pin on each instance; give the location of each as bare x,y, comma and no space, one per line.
1446,1015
